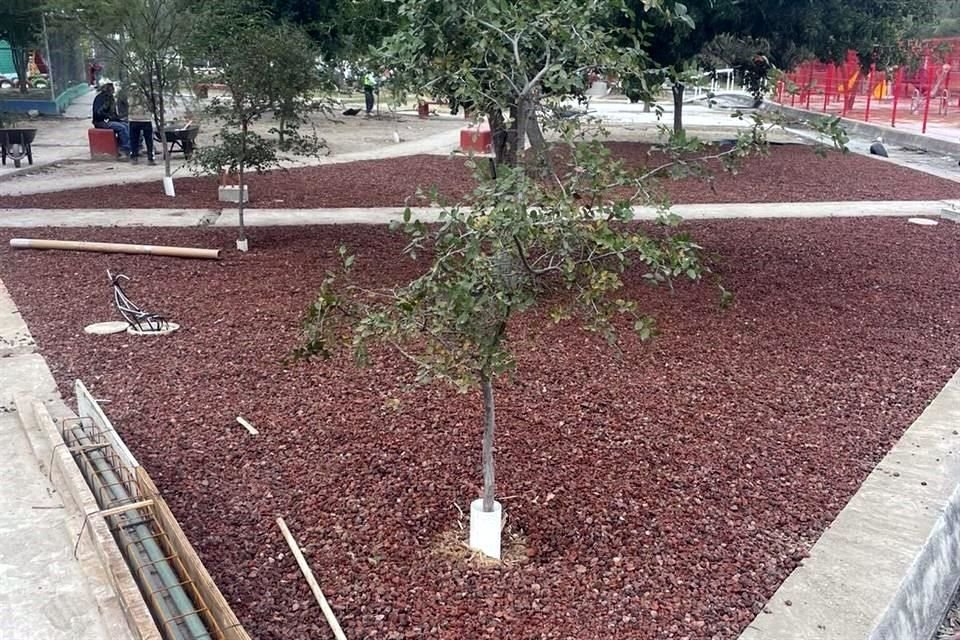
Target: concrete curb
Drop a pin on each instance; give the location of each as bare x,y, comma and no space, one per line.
866,129
927,589
889,564
36,218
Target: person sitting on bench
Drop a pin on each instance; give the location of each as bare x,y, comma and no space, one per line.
105,117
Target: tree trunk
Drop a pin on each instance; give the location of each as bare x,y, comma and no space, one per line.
501,136
162,119
489,425
678,107
521,121
538,144
240,163
19,55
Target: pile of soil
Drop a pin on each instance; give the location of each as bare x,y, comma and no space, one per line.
661,492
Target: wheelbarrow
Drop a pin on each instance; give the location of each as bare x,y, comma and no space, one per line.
17,143
180,139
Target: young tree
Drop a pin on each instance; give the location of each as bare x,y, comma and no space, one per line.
21,26
250,54
519,242
146,38
292,79
498,57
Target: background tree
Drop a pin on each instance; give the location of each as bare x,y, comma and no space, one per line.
501,57
943,23
673,42
249,52
21,25
746,55
146,38
827,29
784,32
343,30
292,79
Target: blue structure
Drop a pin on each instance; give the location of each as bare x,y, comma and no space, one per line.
6,60
66,89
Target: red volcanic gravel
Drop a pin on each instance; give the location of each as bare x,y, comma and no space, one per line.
791,173
689,475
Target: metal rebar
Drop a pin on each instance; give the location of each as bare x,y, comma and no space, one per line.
145,544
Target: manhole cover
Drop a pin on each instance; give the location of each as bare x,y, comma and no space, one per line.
927,222
106,328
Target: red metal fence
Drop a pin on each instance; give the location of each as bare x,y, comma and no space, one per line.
925,92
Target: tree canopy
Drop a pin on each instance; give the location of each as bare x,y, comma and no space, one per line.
344,30
21,25
499,56
751,34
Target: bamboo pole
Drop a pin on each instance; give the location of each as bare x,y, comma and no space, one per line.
308,574
110,247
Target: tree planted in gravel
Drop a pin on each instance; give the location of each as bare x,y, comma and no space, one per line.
146,38
248,52
519,243
501,57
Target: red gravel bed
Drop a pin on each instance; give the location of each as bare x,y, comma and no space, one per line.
791,173
688,476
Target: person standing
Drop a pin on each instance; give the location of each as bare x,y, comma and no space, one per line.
369,86
141,129
105,116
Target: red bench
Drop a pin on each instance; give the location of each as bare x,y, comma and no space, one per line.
103,144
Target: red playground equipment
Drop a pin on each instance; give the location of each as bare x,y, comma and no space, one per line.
923,92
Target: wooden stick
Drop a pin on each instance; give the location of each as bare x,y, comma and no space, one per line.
246,425
308,574
111,247
124,508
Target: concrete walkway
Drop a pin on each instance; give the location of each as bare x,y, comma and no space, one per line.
62,174
29,218
45,593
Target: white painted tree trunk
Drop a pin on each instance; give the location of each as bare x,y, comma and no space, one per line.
486,512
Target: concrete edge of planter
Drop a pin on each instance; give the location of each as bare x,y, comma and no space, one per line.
888,566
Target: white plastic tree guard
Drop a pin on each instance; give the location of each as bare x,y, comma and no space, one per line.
485,528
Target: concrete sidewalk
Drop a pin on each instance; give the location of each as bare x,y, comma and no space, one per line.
69,172
32,218
45,592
